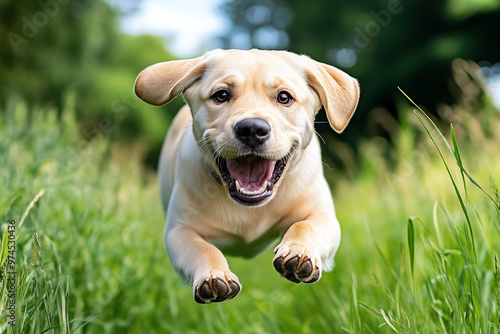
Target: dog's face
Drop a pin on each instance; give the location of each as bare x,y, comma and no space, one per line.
252,115
253,111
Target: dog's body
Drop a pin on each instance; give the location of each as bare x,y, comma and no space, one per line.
241,163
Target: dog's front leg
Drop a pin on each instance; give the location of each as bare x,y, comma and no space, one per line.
308,247
204,265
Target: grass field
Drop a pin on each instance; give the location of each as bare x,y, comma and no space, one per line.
419,252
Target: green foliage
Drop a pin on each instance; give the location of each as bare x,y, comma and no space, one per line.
50,48
419,253
76,245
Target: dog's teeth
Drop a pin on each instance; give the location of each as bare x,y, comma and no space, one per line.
238,187
259,191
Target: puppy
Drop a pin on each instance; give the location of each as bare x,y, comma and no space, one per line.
241,164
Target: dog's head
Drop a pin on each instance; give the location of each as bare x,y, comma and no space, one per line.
253,111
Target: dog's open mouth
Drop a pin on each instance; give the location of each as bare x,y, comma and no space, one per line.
250,178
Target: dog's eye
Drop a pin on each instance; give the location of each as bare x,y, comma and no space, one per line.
221,96
285,98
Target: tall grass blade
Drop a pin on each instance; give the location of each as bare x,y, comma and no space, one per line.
436,225
455,187
485,299
497,287
4,246
29,207
388,321
411,243
461,283
356,319
497,198
497,203
458,158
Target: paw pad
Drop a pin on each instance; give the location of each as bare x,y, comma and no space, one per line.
215,289
297,269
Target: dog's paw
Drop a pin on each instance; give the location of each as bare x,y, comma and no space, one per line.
296,265
216,286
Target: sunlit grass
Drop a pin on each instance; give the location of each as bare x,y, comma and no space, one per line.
418,253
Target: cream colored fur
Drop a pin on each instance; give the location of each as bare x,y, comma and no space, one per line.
203,221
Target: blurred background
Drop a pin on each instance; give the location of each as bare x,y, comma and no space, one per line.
92,50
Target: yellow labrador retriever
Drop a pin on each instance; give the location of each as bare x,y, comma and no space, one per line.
241,164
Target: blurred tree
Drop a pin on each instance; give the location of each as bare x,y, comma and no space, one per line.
383,43
51,47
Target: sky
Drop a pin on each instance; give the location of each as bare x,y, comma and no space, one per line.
188,25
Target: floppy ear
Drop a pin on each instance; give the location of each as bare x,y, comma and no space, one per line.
337,91
160,83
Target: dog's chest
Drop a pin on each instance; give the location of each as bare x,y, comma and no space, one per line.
245,234
236,245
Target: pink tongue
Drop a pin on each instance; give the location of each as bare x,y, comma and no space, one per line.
251,173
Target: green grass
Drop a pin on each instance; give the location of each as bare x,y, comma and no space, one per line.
419,251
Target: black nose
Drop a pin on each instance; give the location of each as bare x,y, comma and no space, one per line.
252,131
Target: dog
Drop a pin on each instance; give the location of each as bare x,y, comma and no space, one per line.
241,164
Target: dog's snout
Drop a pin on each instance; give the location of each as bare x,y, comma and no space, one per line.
252,131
